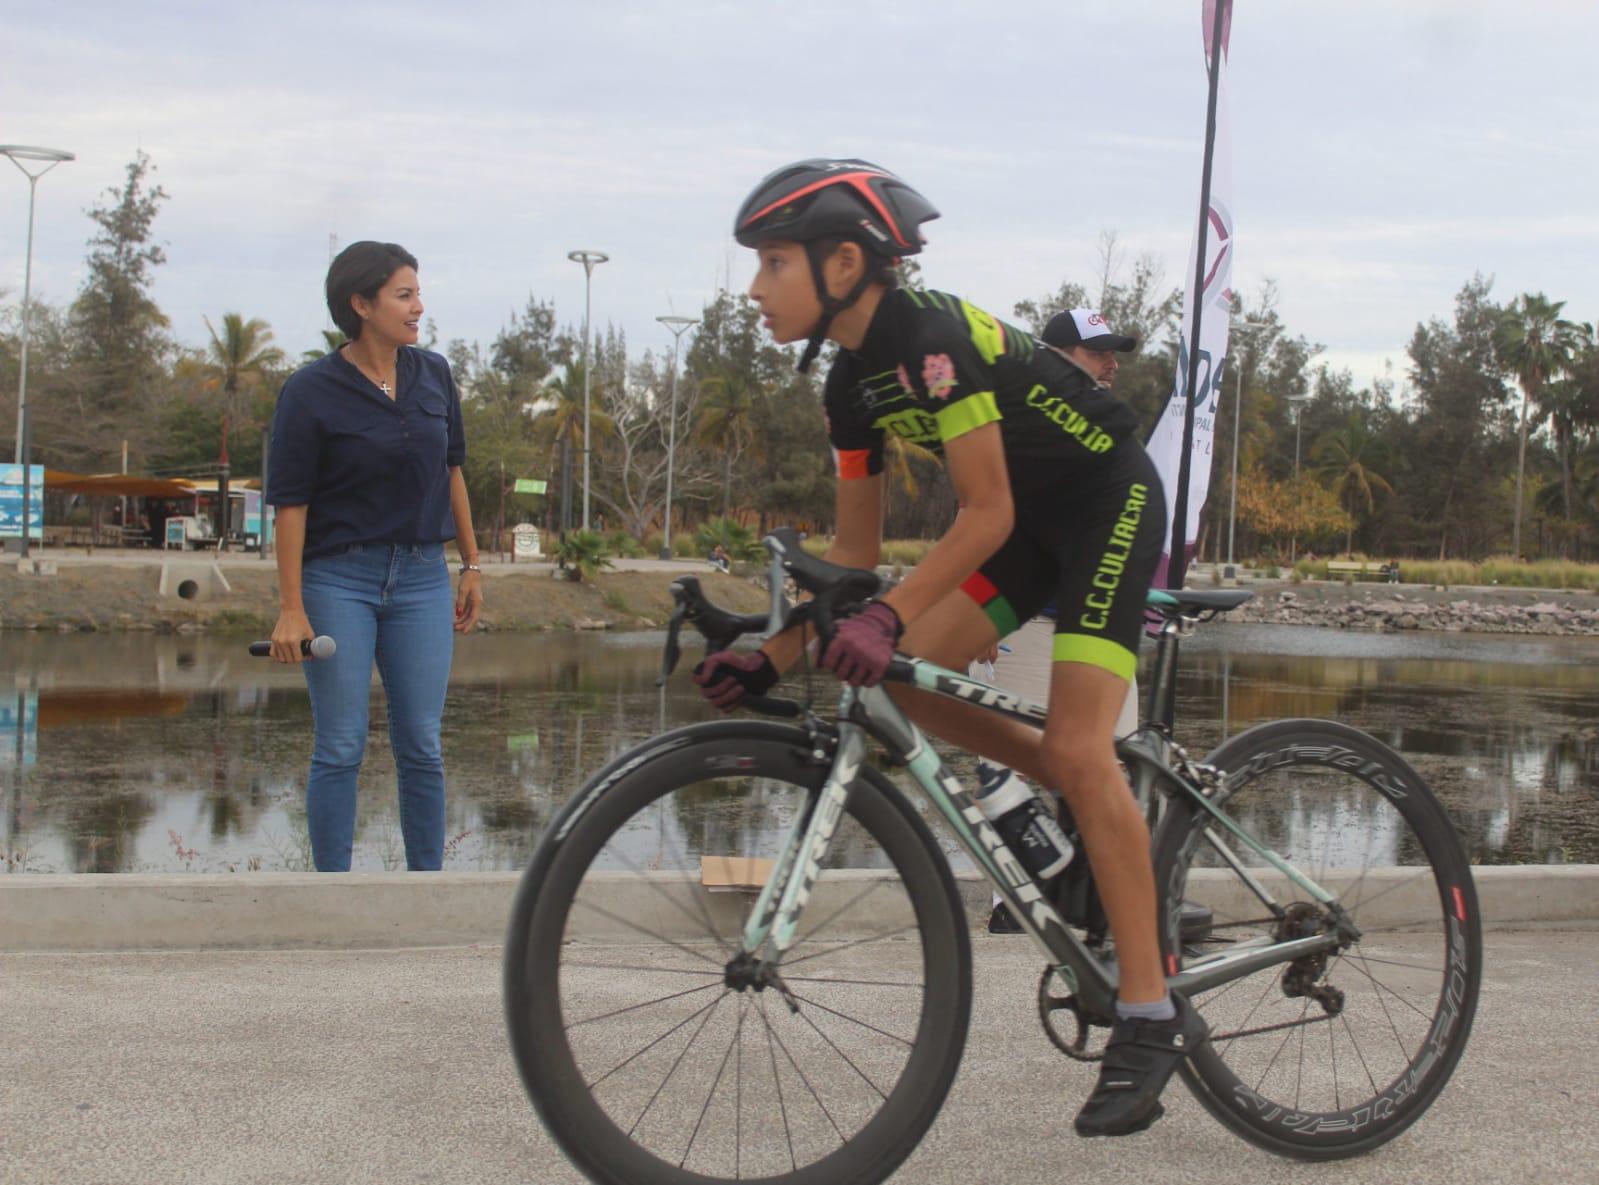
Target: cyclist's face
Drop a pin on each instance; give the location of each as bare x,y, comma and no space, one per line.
785,292
1102,364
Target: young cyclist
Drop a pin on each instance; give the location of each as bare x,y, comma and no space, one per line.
1058,501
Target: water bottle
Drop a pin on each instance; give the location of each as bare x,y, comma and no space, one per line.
1024,821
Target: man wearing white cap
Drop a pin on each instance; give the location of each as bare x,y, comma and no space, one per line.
1023,667
1084,337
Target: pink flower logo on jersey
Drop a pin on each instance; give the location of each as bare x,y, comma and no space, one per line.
904,378
938,375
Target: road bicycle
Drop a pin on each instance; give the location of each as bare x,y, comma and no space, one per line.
740,953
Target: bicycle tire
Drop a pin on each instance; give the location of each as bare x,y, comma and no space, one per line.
555,979
1322,794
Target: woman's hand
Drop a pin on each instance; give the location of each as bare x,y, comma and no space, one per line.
292,627
468,602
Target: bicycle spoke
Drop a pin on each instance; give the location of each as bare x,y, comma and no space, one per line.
902,983
705,916
699,900
853,1020
843,909
1271,983
718,972
675,1064
634,926
778,1079
1383,987
1286,1039
1353,1040
803,1078
686,1020
848,1060
711,1094
850,946
1436,970
646,1004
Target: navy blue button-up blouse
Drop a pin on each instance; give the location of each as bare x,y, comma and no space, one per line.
369,468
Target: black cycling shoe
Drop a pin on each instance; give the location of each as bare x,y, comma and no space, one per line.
1140,1058
1001,922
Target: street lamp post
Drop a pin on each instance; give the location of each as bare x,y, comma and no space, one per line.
1297,404
677,325
1238,411
51,157
590,260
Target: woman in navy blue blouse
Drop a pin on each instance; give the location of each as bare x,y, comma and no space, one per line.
365,472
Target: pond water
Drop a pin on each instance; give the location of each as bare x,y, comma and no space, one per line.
138,753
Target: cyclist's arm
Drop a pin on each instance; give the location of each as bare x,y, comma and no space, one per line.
976,463
857,543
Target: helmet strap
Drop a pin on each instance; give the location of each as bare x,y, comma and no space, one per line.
832,306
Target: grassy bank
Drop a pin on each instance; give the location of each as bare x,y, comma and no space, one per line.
1500,570
88,596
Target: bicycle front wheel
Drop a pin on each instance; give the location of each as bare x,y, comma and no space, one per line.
1333,1054
651,1060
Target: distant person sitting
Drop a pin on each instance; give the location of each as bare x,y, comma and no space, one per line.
720,558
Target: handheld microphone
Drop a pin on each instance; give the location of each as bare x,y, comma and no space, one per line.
320,646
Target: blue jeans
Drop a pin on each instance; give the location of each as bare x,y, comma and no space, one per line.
391,602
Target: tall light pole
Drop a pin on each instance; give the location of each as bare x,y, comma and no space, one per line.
51,157
1296,404
677,325
590,260
1238,411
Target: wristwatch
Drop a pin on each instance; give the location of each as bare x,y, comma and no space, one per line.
465,568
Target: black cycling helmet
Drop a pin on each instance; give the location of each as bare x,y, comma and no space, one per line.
824,198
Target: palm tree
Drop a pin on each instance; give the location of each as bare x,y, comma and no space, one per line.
1535,344
1343,457
558,416
727,422
332,339
238,356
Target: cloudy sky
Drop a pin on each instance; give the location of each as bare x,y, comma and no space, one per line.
1383,151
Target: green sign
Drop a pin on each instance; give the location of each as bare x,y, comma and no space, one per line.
527,485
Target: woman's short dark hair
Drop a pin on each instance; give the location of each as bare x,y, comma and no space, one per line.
361,269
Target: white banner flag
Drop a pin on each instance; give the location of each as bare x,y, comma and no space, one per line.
1166,441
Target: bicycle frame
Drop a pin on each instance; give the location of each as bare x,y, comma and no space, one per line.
869,713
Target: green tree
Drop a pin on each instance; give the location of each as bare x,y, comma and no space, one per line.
119,332
1448,442
1536,344
1343,456
240,356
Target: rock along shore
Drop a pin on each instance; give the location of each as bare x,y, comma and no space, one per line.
1390,608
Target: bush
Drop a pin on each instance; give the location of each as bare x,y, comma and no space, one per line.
584,552
622,544
738,540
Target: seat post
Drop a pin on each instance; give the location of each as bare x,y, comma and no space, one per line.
1161,710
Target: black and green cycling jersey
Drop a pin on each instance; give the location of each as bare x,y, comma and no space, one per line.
934,367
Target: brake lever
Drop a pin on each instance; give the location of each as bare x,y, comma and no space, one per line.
672,651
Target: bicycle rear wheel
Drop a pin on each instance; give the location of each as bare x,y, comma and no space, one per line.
649,1059
1331,1055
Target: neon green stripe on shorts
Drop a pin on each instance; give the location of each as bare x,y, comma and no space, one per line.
1096,652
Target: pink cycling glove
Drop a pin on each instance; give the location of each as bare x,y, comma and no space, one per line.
727,677
863,646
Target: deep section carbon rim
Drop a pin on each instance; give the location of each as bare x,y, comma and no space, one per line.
649,1060
1333,1054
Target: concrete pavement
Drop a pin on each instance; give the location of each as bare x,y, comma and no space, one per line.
236,1067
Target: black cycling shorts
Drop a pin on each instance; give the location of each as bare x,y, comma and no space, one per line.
1092,549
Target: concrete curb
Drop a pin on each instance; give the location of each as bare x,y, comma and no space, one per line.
374,910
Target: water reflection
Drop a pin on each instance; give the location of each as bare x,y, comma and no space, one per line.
139,753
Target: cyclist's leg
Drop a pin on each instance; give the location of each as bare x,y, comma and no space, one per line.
1080,754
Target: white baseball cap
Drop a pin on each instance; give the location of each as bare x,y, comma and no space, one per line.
1085,327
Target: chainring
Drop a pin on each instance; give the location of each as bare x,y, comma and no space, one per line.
1078,1045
